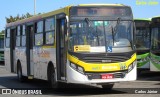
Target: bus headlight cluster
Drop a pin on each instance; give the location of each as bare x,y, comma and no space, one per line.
77,68
131,66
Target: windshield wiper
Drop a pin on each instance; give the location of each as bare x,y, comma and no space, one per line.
87,21
113,35
115,28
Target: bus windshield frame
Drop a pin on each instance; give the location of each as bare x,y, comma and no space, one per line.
105,33
113,25
143,35
155,44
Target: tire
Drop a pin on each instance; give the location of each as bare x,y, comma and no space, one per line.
53,81
20,77
139,72
108,87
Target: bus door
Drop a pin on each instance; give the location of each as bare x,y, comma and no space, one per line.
29,49
12,48
61,55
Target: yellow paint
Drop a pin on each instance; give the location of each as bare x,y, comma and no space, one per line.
52,13
62,10
45,15
44,54
101,67
30,77
50,36
101,5
82,48
48,47
85,40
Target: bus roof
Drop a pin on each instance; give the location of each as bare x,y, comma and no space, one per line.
142,19
37,17
156,16
101,5
156,20
65,9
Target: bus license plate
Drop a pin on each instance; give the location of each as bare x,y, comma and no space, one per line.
107,76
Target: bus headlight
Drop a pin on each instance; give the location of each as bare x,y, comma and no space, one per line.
131,66
77,68
73,65
80,69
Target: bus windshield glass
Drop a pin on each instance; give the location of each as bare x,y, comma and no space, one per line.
142,38
100,34
155,38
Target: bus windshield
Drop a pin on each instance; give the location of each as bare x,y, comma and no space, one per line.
100,34
155,38
142,38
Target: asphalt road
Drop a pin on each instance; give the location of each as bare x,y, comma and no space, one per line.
148,80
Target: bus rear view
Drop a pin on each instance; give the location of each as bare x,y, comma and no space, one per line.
101,48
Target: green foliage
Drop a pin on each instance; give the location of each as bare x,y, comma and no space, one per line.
18,17
2,31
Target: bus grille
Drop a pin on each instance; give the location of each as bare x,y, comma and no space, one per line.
98,75
104,59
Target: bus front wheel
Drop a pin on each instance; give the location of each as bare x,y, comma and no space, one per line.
53,81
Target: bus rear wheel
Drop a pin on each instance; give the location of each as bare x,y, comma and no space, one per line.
108,86
21,78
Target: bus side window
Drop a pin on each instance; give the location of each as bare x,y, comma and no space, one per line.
23,40
18,37
39,34
7,41
49,31
1,41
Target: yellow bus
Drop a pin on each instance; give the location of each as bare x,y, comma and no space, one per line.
84,44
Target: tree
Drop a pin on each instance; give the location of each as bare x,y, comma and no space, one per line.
2,31
18,17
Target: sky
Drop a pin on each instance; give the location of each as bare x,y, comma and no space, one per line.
14,7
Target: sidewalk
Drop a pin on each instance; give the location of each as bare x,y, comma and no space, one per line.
3,71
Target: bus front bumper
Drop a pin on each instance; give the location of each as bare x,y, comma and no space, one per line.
75,77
